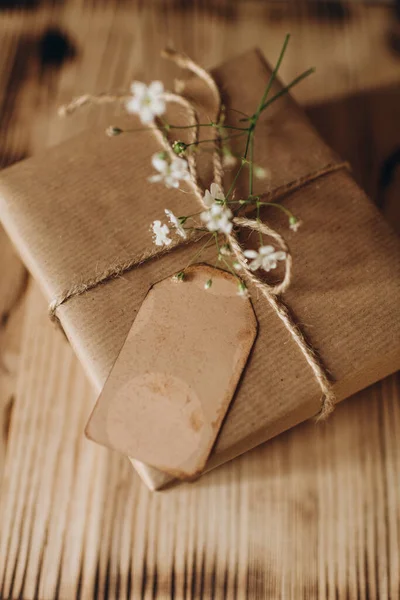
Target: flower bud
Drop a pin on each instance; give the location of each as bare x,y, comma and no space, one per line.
179,276
294,223
179,147
242,290
113,131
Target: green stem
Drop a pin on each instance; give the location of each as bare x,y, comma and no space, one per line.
263,104
280,206
285,89
251,136
259,221
198,253
228,137
240,112
254,120
288,87
272,78
205,125
259,203
224,259
234,180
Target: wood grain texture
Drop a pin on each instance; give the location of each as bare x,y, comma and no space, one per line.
313,514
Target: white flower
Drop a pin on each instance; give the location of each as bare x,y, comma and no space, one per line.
266,258
171,172
214,194
176,223
161,232
217,218
146,101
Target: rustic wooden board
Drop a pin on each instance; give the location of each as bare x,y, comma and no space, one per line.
313,514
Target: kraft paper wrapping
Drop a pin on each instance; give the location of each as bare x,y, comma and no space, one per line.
86,204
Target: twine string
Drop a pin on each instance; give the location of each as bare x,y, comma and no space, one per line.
271,292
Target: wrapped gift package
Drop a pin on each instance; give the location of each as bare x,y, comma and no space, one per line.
87,204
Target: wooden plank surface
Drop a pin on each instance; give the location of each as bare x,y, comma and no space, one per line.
313,514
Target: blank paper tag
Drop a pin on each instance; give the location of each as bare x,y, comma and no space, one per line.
173,381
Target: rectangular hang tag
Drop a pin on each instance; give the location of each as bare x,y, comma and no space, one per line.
172,383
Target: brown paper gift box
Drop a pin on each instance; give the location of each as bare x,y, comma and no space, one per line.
78,208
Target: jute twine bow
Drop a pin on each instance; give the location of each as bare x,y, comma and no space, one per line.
272,292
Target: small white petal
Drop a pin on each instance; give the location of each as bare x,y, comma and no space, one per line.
138,88
208,199
212,226
268,265
133,105
225,226
158,106
216,209
216,191
254,265
265,250
179,166
156,88
155,178
146,114
159,162
176,223
250,253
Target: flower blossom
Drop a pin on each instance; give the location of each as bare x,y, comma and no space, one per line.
171,172
266,258
217,217
161,232
175,222
146,101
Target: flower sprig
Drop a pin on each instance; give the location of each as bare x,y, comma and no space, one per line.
220,208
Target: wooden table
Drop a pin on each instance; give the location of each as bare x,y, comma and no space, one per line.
313,514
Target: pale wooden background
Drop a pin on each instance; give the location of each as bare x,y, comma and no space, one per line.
313,514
